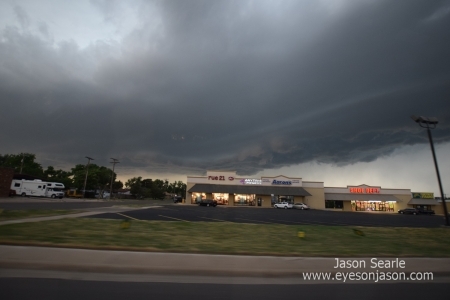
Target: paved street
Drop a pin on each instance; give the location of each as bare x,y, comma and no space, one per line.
56,289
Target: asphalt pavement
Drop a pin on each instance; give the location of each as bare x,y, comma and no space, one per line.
85,264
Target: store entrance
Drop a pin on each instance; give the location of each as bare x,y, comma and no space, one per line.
372,205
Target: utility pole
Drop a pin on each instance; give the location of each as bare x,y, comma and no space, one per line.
85,180
114,162
21,163
430,123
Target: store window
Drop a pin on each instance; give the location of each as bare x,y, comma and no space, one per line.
336,204
222,199
244,200
424,207
374,205
288,199
197,197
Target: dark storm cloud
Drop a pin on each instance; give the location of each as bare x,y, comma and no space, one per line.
232,85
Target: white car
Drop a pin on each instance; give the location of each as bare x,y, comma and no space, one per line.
284,205
301,206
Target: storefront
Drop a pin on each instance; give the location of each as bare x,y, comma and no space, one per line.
424,201
229,189
366,198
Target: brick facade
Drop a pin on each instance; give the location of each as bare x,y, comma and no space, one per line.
6,177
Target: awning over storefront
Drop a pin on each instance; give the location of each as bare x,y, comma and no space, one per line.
249,189
421,201
371,197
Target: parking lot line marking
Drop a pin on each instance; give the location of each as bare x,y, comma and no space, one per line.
173,218
256,221
128,216
214,219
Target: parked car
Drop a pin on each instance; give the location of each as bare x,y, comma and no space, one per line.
177,199
409,211
208,202
284,205
12,193
301,206
105,195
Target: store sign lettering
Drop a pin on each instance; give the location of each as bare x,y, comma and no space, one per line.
250,181
216,177
368,190
423,195
281,182
230,178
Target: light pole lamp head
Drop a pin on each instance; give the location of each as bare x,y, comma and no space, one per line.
90,158
426,122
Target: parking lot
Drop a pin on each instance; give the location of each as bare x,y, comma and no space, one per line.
190,213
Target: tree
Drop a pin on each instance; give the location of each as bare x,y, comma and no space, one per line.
117,185
23,163
58,176
135,185
158,191
99,177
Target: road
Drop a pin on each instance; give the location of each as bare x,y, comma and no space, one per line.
49,289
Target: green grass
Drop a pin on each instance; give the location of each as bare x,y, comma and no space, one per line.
6,215
231,238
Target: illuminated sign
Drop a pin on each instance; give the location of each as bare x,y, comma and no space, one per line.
282,182
230,178
250,181
216,177
367,190
423,195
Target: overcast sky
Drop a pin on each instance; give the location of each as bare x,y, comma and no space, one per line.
322,90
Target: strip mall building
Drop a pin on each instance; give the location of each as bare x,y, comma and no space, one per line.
228,189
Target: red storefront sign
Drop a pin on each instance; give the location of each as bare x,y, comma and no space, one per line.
364,190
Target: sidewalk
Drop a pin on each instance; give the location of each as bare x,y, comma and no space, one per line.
129,262
93,211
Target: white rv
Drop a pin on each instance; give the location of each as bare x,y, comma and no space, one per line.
38,188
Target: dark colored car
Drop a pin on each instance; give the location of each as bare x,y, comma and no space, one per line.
12,193
409,211
208,202
177,199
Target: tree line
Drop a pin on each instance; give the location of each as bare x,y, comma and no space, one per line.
99,177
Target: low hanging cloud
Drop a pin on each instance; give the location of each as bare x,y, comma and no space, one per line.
239,85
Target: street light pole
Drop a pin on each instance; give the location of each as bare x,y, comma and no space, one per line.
114,162
21,163
85,180
431,123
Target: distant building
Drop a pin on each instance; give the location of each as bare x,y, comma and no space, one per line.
229,189
6,177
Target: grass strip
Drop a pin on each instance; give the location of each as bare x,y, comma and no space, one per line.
6,215
231,238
